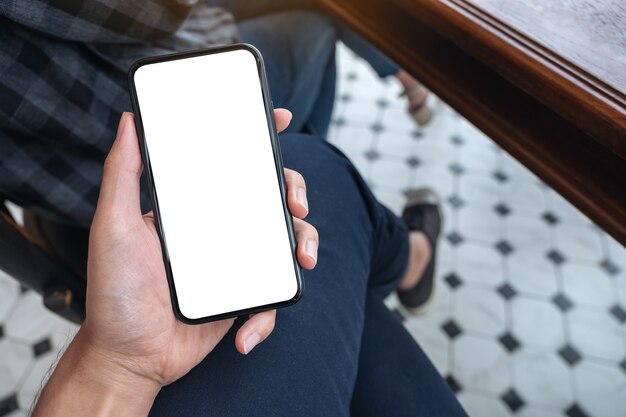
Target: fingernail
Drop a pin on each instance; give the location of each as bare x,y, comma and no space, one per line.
120,126
123,123
301,197
310,247
250,342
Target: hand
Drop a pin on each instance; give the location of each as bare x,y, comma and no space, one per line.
129,312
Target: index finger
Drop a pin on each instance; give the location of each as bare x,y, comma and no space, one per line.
282,117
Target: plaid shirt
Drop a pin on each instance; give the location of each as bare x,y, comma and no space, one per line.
63,87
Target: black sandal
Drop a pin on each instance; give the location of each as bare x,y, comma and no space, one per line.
422,212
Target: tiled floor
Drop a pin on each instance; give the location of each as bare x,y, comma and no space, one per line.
530,318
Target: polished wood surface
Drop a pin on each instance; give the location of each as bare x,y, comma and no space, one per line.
540,89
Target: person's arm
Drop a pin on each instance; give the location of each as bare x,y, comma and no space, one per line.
130,344
105,21
85,383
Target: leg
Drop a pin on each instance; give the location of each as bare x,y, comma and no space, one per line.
308,366
395,377
299,51
383,66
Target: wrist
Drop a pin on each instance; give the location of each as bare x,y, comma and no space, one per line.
116,372
104,384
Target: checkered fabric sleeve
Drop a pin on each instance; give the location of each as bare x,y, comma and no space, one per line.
109,21
60,100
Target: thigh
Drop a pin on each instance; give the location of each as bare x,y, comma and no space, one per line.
308,366
297,47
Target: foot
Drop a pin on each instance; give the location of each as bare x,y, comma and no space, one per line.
416,94
422,215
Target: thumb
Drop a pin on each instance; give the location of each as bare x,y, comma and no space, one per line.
119,193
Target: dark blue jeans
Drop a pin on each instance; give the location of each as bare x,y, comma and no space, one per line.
298,49
339,351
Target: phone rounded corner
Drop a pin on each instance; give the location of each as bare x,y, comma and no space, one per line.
181,317
299,291
134,67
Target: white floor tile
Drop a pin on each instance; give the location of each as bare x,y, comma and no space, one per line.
537,322
542,378
30,321
354,139
528,232
565,210
400,145
601,389
481,364
588,286
530,272
579,242
481,223
478,159
536,411
479,264
482,405
480,310
525,197
481,190
597,334
391,174
9,294
15,359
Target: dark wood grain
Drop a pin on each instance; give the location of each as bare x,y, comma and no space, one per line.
553,65
523,101
590,34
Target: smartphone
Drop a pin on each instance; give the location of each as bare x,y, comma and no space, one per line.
213,165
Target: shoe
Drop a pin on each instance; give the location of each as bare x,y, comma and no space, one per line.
421,113
422,212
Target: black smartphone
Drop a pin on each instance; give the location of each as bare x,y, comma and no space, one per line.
213,164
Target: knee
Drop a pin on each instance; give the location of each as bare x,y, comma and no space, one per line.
309,27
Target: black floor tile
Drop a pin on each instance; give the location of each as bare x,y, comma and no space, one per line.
453,384
455,238
512,399
575,411
550,218
562,302
457,140
377,127
456,169
506,291
504,247
570,355
456,201
41,347
618,313
451,329
500,176
372,155
555,256
8,404
413,162
510,342
609,267
453,280
502,209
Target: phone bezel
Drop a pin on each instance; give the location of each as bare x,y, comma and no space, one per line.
278,161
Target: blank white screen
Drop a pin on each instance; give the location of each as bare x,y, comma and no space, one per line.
214,173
